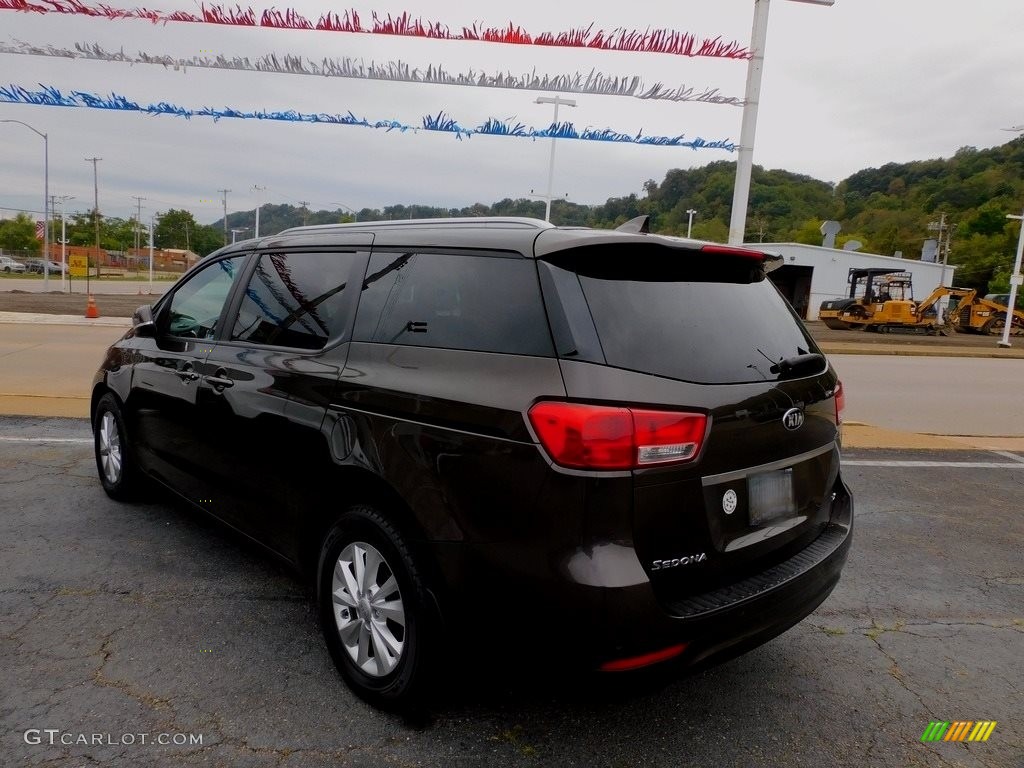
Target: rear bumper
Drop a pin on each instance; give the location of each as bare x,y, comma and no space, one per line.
597,624
737,617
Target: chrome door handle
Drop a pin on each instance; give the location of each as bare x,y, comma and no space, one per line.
219,382
186,374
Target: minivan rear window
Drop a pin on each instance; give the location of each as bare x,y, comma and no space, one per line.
704,318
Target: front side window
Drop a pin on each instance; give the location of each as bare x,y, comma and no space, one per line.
454,301
295,300
196,306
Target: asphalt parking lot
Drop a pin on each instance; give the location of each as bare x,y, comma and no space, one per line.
149,620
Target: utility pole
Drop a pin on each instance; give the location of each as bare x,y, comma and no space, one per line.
138,224
259,201
95,217
305,211
224,199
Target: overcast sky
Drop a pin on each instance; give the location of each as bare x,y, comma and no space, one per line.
857,85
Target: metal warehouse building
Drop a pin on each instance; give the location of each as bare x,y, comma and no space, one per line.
813,274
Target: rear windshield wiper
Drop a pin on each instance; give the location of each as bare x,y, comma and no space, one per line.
798,365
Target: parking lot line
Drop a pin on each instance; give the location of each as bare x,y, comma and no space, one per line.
54,440
949,464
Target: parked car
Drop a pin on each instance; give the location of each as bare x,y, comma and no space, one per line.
37,266
7,264
1004,299
607,447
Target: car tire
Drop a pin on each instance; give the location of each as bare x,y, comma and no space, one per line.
380,627
115,463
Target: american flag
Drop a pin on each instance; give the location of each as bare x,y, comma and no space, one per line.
40,230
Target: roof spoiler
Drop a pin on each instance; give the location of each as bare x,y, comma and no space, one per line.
639,225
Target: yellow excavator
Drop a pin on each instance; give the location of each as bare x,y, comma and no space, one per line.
883,301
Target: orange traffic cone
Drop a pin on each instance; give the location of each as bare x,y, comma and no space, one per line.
91,310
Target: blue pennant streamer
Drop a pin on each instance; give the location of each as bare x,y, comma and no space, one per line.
51,97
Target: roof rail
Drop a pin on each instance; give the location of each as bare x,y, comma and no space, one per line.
512,222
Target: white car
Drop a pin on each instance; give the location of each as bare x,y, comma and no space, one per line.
7,264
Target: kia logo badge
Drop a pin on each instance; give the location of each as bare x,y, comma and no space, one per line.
793,419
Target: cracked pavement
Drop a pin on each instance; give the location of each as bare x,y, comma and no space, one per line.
149,618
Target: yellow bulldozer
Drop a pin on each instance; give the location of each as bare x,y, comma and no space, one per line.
883,301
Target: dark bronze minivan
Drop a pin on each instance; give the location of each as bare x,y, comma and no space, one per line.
628,440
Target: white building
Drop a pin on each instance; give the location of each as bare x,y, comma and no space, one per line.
813,274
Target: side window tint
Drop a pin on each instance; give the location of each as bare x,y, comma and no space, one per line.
487,304
196,306
295,300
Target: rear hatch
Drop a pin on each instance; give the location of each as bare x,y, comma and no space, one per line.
653,326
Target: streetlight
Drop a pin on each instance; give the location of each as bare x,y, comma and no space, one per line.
259,202
1016,278
689,226
46,201
557,101
64,243
353,211
745,160
234,232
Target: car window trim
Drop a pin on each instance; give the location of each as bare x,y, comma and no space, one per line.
165,301
357,275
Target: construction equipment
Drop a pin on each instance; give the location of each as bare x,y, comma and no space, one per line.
986,316
868,287
883,301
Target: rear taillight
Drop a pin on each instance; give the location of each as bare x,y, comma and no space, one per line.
840,402
602,437
728,250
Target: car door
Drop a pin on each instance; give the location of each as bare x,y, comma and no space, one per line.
167,371
268,379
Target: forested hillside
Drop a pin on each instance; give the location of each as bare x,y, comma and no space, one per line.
888,209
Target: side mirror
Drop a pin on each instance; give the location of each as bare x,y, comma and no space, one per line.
143,323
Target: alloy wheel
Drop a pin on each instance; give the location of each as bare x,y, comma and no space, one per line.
368,609
110,448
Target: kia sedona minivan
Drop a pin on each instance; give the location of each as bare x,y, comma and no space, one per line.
619,448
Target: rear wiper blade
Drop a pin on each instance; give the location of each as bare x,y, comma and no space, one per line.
791,367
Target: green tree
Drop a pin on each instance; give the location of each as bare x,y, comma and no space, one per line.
19,234
175,229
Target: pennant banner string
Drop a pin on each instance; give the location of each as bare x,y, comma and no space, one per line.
52,97
405,25
593,82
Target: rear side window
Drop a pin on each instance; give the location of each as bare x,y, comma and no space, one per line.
455,301
705,318
295,300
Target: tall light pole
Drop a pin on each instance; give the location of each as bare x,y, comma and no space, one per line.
224,199
558,101
63,238
689,226
259,202
96,218
46,200
1015,275
151,217
1016,278
745,159
353,211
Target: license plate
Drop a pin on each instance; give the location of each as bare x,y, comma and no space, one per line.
771,496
